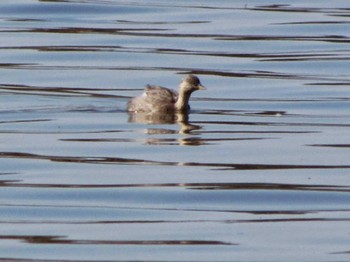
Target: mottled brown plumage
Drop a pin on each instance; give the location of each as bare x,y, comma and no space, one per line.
161,99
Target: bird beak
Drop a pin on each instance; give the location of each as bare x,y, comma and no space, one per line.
200,87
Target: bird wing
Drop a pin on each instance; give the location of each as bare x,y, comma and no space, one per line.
158,94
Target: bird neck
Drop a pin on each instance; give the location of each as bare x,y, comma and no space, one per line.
182,101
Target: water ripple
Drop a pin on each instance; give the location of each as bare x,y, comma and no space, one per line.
120,160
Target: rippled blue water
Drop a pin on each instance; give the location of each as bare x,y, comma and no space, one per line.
258,172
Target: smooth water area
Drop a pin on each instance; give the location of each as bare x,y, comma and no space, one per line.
258,171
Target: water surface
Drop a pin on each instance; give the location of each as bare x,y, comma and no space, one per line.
258,171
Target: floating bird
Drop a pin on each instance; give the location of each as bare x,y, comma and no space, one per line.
157,99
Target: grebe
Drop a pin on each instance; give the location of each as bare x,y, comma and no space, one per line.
162,100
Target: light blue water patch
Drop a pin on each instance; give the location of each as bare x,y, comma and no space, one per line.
65,11
178,199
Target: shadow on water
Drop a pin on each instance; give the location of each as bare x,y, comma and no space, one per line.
63,240
119,161
60,91
190,186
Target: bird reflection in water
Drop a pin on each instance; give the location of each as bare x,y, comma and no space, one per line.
157,118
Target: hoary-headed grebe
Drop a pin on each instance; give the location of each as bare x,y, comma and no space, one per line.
161,99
